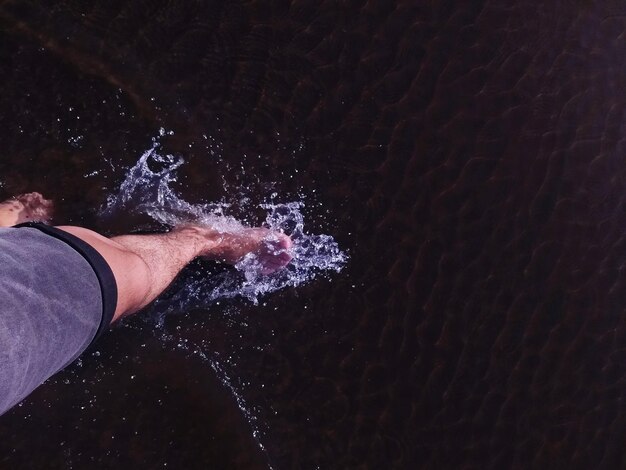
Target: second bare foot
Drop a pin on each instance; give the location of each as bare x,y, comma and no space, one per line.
27,207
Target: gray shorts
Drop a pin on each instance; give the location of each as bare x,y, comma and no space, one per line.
57,295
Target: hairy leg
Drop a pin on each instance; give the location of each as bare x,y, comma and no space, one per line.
144,265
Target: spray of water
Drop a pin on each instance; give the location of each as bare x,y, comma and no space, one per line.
147,189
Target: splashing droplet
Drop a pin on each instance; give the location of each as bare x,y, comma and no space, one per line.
147,189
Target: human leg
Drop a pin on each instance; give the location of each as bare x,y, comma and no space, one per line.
57,293
144,265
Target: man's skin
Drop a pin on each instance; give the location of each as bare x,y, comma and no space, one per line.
144,265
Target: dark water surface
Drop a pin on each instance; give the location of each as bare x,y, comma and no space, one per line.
470,156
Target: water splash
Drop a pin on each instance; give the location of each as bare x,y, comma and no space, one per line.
147,189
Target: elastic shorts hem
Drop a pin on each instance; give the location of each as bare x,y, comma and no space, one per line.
101,268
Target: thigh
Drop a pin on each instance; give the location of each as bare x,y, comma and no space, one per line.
52,308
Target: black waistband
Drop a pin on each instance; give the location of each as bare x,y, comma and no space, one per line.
108,286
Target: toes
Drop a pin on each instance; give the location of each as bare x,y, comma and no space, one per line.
33,206
276,255
29,198
279,242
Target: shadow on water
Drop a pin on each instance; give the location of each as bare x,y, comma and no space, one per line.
468,156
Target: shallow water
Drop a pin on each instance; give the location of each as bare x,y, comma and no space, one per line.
467,157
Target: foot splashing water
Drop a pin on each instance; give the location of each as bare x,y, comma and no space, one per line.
147,189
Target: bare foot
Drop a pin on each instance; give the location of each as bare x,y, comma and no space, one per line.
272,249
27,207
